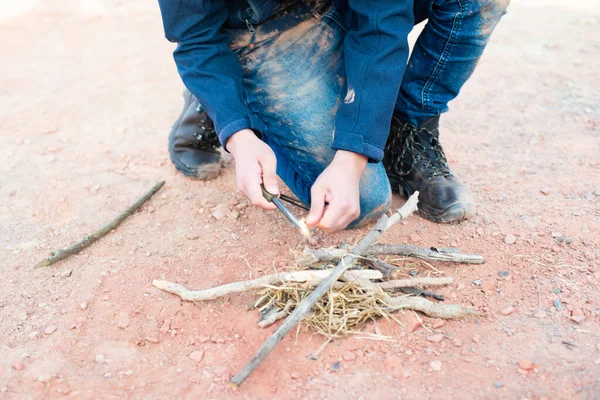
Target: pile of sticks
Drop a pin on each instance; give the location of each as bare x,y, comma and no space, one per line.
386,279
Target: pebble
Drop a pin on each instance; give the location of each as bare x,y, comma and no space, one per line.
83,306
507,310
108,375
577,318
100,358
479,231
545,191
477,303
414,238
498,385
510,239
123,323
19,366
435,338
437,323
196,355
50,329
457,342
526,365
219,212
295,375
436,365
476,338
44,378
488,286
152,339
65,274
539,314
349,356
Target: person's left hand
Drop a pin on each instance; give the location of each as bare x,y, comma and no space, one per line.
338,185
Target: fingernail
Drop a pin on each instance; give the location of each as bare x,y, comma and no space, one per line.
273,189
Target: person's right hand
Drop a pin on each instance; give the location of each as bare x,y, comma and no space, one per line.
255,163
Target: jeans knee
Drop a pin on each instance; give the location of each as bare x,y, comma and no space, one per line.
374,202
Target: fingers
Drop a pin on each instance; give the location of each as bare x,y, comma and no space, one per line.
251,188
268,163
317,205
338,215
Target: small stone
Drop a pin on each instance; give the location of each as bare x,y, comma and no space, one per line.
477,303
577,318
50,329
44,378
123,323
34,335
507,310
219,212
461,286
503,274
479,231
19,366
349,356
436,365
577,312
50,158
539,313
510,239
488,286
476,338
526,365
192,236
414,238
108,375
83,306
100,358
435,338
558,304
477,282
336,366
217,339
295,375
457,342
498,385
545,191
196,355
65,274
235,214
437,323
152,339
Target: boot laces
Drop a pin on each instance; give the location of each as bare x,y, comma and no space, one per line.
421,149
206,136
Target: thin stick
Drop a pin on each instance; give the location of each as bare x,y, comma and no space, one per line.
310,256
308,277
416,282
306,305
61,254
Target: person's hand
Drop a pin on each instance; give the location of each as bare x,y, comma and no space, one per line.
255,163
338,185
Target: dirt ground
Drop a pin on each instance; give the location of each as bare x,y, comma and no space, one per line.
88,93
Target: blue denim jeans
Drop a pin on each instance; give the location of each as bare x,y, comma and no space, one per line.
294,81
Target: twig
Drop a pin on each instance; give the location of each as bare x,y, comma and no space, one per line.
416,282
434,310
61,254
311,256
308,277
306,305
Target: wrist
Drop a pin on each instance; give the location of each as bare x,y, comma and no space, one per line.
354,161
238,139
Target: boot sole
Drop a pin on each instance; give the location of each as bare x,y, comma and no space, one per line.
453,213
204,172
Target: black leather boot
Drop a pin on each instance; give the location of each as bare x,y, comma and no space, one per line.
414,160
193,142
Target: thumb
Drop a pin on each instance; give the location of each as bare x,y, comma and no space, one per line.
317,206
269,174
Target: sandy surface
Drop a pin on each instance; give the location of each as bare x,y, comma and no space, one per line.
88,92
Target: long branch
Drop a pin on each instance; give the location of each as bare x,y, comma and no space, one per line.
313,256
61,254
306,305
308,277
